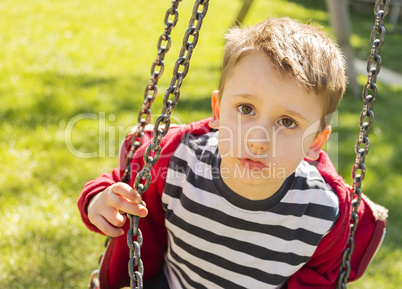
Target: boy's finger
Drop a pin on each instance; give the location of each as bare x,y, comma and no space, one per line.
114,218
133,209
121,203
106,227
127,192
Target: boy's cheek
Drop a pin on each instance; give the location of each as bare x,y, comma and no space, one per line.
225,148
227,142
283,145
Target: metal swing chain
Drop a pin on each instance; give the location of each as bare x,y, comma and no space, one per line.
152,152
151,90
369,94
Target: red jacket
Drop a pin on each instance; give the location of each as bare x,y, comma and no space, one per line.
321,271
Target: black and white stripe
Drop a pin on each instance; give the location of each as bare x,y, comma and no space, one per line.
217,242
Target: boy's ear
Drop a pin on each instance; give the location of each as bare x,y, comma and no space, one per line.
314,151
214,122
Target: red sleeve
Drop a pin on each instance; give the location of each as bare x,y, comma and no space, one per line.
113,273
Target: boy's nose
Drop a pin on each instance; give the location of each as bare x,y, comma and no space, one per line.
258,146
258,140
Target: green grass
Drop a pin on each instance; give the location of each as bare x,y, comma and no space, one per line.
89,61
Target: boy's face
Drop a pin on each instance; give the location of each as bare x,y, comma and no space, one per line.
267,125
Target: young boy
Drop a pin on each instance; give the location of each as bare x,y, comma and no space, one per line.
246,198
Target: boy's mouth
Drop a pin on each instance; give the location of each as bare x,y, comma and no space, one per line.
252,163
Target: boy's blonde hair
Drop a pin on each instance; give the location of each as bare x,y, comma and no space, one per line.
298,50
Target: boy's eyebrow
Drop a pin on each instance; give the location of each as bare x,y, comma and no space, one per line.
288,110
295,113
244,95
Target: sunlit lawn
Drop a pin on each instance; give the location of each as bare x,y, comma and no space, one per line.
72,76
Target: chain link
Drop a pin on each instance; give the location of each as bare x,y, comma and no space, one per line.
369,94
170,101
151,90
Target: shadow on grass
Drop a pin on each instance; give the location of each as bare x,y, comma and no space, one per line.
195,104
61,97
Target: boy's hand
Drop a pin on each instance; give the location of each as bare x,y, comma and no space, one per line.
104,210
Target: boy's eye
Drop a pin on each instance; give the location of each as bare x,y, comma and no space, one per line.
287,123
246,109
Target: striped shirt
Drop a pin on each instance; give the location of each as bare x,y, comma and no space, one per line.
218,239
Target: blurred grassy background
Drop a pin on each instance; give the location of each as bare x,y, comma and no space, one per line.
72,76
